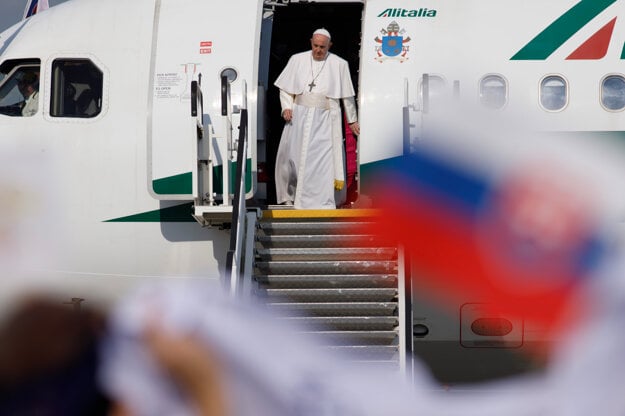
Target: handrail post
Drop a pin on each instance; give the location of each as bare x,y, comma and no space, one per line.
237,230
406,120
425,88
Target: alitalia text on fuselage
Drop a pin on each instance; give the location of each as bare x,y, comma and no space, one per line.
422,12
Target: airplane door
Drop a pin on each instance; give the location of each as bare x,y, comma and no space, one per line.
198,41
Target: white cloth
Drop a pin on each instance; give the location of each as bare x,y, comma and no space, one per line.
323,32
31,105
334,80
269,369
310,154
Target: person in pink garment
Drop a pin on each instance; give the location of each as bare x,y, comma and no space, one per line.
351,165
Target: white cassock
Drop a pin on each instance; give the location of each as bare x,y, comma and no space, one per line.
310,154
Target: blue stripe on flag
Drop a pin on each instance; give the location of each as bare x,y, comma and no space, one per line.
442,180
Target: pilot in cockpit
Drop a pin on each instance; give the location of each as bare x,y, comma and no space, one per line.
29,88
19,95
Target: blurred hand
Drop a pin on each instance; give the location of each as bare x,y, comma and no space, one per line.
192,366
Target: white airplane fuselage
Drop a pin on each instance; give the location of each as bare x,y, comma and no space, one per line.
126,166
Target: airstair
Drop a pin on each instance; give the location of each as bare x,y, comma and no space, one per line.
318,269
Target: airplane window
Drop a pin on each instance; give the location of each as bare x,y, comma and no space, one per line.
19,91
76,88
553,93
493,91
613,92
436,88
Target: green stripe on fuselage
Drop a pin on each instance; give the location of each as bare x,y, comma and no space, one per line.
174,185
370,171
561,30
182,184
177,213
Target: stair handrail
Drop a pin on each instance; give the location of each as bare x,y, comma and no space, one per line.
203,159
237,231
406,120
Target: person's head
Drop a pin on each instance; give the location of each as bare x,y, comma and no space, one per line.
320,44
51,351
28,84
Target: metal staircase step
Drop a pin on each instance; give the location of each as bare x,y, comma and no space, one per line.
355,338
379,366
326,280
313,227
305,254
328,295
320,240
334,308
346,323
327,267
367,352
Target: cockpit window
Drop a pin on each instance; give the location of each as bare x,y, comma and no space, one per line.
76,88
19,90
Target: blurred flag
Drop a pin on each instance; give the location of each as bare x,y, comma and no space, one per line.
512,223
35,6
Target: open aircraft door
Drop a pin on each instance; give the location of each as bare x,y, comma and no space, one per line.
392,104
215,48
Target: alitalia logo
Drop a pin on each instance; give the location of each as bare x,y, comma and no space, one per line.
567,25
423,12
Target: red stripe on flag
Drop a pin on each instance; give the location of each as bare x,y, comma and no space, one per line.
456,265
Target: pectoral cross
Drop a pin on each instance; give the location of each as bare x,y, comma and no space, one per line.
312,85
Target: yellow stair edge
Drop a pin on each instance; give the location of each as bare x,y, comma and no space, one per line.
319,213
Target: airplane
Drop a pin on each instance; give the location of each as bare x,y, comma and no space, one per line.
143,103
